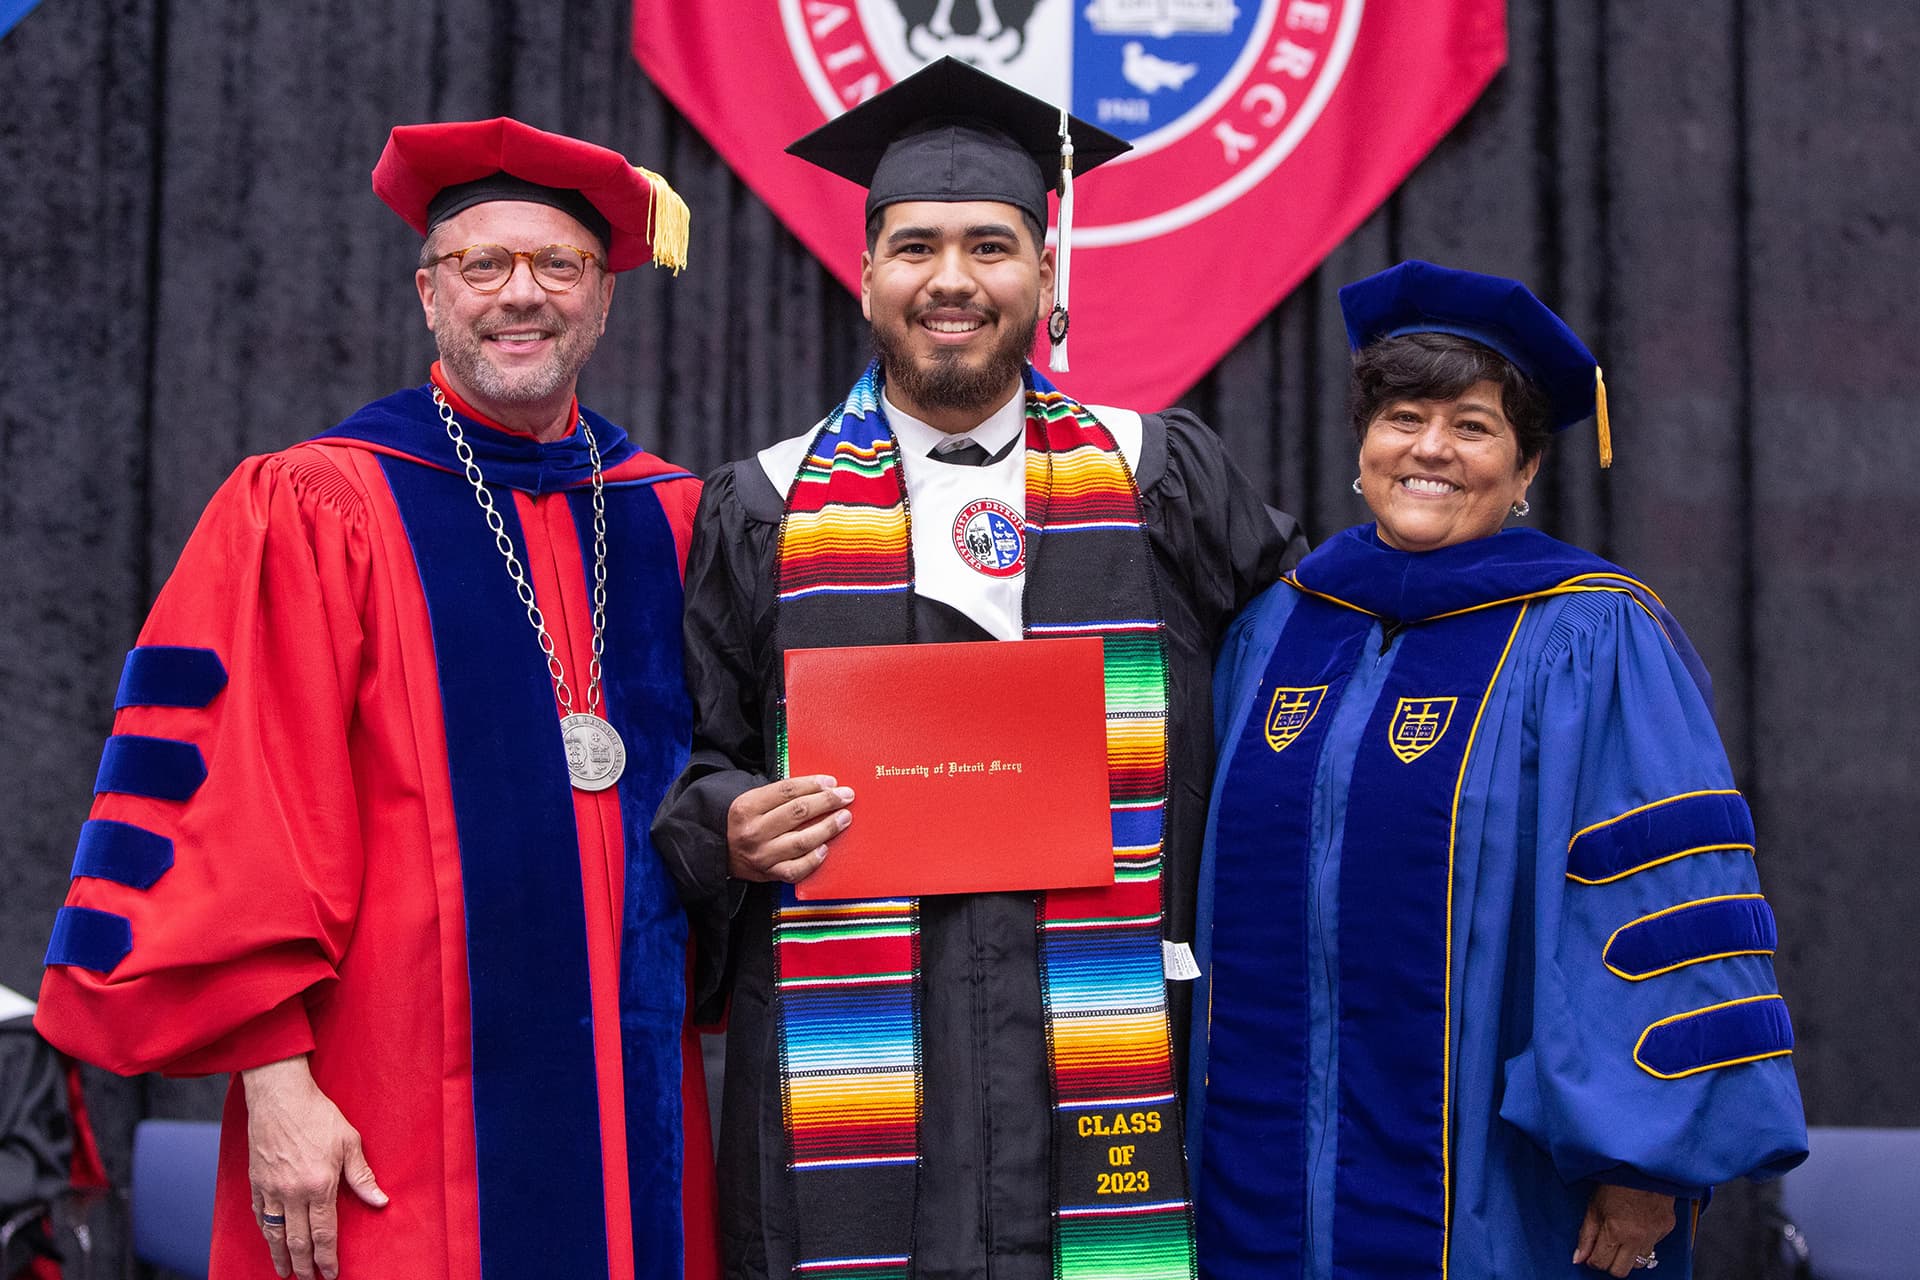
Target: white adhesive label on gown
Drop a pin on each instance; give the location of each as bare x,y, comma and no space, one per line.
1179,961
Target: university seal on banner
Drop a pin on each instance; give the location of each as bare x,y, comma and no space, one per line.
1418,725
1211,93
1263,132
1290,713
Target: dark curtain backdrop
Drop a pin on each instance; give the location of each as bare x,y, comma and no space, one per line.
1720,195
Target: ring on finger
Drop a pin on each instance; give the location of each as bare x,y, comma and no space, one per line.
1646,1261
273,1219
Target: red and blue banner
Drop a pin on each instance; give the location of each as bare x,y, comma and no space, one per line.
1264,132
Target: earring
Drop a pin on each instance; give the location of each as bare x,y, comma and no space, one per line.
1519,509
1356,485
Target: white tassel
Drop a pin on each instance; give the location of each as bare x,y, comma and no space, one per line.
1064,259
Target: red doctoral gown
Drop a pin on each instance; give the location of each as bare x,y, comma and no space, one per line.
334,818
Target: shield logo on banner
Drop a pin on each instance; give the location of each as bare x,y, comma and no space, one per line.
1264,131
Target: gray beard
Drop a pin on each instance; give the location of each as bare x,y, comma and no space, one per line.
948,382
461,352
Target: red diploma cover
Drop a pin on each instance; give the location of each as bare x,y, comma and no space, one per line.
975,767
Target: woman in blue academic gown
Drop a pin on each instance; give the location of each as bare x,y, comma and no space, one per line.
1487,971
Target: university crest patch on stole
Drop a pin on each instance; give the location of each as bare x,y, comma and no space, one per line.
987,536
1418,725
1292,711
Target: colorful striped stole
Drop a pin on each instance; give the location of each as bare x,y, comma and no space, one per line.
848,973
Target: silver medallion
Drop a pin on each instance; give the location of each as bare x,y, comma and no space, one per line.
595,755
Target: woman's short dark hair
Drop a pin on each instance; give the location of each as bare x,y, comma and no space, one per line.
1440,366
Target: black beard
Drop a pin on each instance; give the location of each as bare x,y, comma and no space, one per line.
948,382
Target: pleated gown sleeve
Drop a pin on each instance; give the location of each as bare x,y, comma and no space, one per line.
1658,1048
217,878
728,631
1211,529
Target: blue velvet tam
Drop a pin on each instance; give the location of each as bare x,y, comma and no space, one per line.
1419,297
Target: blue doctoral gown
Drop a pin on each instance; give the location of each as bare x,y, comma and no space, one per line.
1479,923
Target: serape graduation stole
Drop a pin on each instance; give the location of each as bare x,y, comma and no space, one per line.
847,973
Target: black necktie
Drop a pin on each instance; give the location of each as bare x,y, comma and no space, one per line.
970,453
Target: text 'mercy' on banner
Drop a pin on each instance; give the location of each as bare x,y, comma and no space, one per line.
1264,132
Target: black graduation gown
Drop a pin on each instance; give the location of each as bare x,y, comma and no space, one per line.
984,1182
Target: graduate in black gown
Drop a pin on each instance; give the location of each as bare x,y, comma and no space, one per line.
955,280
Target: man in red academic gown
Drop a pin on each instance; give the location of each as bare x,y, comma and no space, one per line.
371,829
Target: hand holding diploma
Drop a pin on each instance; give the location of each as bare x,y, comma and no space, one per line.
982,769
780,831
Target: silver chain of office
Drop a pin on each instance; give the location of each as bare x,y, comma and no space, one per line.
595,754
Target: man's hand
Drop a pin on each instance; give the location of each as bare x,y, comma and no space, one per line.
780,831
1622,1224
299,1147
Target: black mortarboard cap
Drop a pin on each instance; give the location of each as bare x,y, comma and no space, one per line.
951,132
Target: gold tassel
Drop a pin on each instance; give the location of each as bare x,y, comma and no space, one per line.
669,223
1600,418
